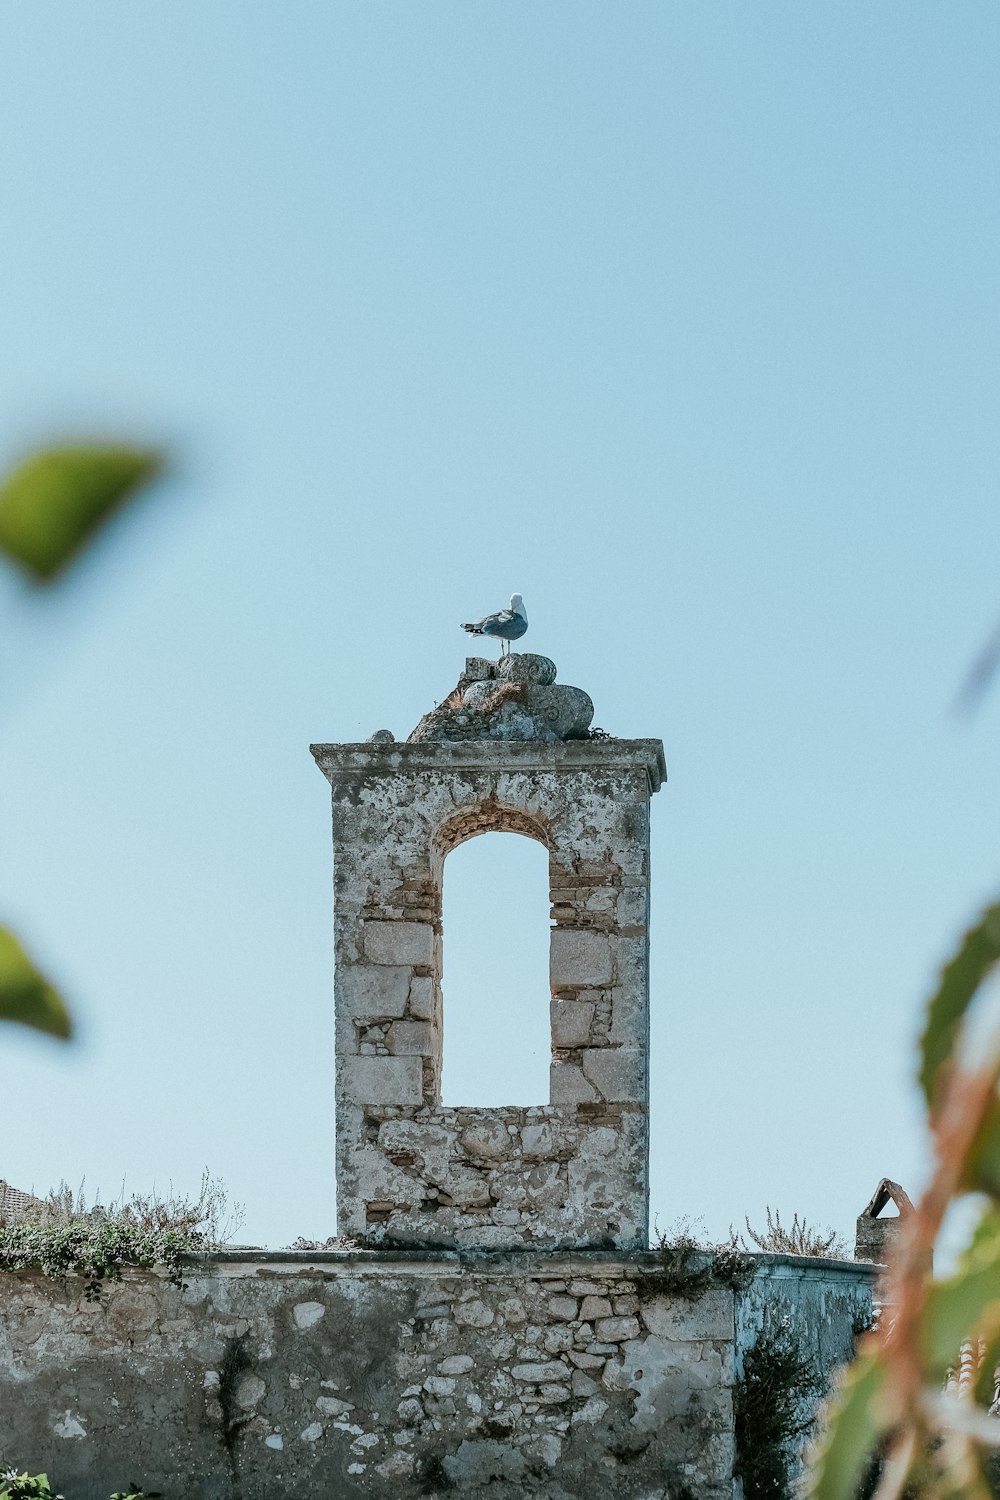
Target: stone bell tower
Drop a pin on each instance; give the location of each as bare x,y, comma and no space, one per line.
509,750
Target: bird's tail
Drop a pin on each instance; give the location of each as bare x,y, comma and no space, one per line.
473,629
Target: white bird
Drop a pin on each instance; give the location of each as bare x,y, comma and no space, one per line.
506,625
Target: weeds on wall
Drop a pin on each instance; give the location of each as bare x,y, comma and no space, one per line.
36,1487
799,1238
61,1237
773,1408
688,1265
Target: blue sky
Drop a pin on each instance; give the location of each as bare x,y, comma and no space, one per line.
682,321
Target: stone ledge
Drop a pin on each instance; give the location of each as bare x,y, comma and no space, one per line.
521,1260
353,762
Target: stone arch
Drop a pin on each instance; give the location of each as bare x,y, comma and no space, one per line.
488,816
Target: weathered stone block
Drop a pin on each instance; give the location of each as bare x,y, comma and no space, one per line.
618,1073
488,1139
595,1307
380,1080
558,1340
411,1038
306,1314
430,1145
567,1085
372,991
579,957
570,1021
421,1005
399,942
631,962
537,1140
544,1186
540,1373
472,1314
629,1018
466,1187
616,1330
585,1361
710,1317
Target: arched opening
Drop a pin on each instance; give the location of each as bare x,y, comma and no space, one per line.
495,985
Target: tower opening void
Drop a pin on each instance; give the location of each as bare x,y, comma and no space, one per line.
495,972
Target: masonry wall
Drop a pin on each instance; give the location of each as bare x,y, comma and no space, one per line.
573,1171
408,1375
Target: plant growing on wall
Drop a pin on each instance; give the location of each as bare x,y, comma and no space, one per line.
36,1487
799,1238
773,1409
61,1237
688,1265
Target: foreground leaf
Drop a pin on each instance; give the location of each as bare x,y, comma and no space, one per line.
966,1307
981,1172
856,1423
53,503
25,994
977,956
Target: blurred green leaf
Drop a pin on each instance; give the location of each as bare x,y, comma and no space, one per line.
982,1165
978,954
967,1305
25,994
855,1425
52,504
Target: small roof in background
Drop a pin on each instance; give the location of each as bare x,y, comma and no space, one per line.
887,1192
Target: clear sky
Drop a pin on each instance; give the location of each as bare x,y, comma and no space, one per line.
680,319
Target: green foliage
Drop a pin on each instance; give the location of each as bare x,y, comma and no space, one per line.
27,1487
95,1250
61,1237
732,1266
967,1302
53,503
37,1487
688,1266
25,994
977,956
772,1407
799,1239
854,1430
890,1417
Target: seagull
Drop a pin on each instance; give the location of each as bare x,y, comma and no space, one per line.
507,624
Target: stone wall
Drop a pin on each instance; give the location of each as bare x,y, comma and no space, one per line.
819,1302
572,1172
558,1375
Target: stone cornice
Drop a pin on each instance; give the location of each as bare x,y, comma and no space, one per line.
341,763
